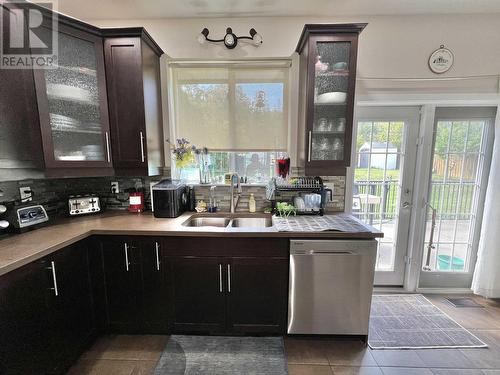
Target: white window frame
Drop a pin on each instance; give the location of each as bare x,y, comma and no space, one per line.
289,101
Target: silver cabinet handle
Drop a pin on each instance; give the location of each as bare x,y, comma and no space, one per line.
142,147
125,246
54,278
157,246
107,147
220,278
309,148
229,278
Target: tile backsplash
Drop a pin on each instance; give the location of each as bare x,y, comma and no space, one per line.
53,193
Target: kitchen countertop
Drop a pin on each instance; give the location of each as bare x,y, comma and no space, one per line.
18,250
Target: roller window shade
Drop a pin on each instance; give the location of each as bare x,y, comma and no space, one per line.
231,108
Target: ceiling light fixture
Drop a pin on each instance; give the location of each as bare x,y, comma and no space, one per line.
230,40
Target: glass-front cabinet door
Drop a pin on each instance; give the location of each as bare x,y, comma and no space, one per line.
330,53
72,104
331,86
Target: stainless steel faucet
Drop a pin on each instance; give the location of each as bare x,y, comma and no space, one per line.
235,183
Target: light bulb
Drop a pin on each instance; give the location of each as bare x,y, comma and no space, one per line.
257,39
201,38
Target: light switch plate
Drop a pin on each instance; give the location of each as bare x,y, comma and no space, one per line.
115,187
26,194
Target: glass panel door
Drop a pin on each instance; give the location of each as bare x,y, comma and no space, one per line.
331,86
458,170
72,103
383,181
73,98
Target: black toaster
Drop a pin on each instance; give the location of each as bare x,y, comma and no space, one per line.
169,198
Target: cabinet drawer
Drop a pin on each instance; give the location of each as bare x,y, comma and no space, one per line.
225,247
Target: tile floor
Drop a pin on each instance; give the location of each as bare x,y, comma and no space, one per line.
137,355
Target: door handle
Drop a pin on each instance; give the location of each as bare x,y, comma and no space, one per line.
142,147
107,147
54,277
220,278
406,204
157,246
125,246
229,278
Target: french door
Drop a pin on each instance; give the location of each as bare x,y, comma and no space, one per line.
384,168
462,143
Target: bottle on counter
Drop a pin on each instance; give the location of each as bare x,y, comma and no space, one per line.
251,203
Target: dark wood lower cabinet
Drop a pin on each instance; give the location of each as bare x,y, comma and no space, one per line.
197,298
153,301
23,321
120,262
227,294
135,289
46,315
71,313
52,308
257,301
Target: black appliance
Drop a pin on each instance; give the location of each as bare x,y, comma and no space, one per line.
169,198
26,216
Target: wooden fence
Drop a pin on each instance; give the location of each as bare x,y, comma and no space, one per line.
455,163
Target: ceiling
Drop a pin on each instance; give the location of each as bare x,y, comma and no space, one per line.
140,9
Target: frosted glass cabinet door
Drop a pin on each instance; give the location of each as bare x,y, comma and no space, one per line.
331,88
328,54
72,103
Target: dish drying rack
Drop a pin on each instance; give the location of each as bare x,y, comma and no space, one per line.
279,185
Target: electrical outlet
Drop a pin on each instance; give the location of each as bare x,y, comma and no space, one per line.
115,188
26,194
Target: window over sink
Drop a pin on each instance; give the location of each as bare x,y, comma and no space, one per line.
238,110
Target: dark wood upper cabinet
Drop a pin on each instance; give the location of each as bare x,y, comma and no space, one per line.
72,105
20,142
57,120
328,56
134,94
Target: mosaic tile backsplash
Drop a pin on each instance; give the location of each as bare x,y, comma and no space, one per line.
53,193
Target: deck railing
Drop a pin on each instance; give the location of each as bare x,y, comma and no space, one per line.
452,199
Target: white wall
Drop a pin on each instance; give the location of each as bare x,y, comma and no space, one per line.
390,46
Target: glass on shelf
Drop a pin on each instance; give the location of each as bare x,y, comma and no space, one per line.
73,101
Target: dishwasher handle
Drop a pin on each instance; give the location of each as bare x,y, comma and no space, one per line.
321,252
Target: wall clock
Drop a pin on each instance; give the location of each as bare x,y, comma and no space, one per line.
441,60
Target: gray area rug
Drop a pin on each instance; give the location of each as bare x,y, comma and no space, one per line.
198,355
411,321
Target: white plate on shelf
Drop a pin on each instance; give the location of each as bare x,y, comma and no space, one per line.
332,98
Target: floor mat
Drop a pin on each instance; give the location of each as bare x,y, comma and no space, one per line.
411,321
222,355
463,302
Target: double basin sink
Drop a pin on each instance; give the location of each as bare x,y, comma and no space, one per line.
229,221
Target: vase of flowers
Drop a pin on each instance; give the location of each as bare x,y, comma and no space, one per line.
186,156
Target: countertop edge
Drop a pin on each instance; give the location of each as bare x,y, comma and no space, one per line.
173,231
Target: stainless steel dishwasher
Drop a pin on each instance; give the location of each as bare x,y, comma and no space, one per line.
331,284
